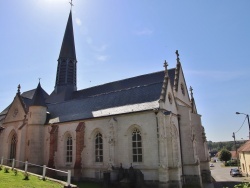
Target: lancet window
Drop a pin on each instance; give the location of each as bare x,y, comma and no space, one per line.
13,147
69,149
136,146
98,148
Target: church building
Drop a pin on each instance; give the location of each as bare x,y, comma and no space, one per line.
149,122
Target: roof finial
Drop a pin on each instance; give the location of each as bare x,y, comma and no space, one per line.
18,89
39,80
165,65
71,4
191,92
177,54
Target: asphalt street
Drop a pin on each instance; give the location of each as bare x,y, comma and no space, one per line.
222,176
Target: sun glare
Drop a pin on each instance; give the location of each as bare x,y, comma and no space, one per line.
53,3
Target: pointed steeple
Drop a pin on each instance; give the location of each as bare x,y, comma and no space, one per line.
68,44
66,69
38,97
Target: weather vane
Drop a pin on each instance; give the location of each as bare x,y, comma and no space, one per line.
71,4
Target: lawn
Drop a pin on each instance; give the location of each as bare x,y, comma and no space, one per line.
11,180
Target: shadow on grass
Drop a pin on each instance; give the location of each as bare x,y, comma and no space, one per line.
227,184
87,184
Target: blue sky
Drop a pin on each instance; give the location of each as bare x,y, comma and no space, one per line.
117,39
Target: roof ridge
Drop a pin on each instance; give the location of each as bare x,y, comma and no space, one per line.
115,91
121,80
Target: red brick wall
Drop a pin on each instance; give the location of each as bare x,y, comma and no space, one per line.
79,147
53,145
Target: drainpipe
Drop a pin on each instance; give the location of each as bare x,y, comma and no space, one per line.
179,118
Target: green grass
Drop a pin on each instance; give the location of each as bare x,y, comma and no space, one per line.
11,181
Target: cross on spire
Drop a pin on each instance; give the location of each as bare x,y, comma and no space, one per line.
71,4
18,89
177,54
165,65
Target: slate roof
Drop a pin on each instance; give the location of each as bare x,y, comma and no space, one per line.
27,100
68,44
141,80
134,94
38,97
29,94
121,101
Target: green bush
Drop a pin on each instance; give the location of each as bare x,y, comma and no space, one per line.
242,185
231,163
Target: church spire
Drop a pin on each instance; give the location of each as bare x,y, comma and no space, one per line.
68,44
38,97
66,69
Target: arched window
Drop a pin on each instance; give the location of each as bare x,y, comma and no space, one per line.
98,148
13,147
69,149
136,146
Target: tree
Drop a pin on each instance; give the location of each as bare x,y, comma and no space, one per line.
225,155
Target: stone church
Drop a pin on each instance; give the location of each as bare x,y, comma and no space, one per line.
149,122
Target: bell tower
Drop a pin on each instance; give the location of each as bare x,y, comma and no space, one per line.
66,68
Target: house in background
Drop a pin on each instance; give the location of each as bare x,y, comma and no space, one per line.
244,157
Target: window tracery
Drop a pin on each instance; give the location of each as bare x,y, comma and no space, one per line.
136,146
98,148
69,149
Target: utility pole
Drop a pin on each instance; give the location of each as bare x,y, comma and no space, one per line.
247,121
248,125
236,150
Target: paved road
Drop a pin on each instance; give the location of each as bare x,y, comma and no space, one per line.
222,176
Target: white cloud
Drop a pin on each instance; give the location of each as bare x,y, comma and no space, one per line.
145,31
94,47
102,57
100,48
78,22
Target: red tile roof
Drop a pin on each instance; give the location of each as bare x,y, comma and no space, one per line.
234,154
245,147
